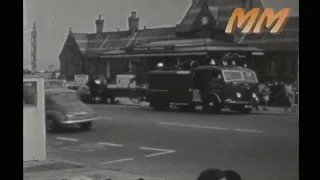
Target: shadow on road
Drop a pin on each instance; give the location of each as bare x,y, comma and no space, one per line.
72,130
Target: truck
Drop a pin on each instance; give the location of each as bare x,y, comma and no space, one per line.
213,87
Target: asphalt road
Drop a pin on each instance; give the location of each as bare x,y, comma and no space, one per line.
179,145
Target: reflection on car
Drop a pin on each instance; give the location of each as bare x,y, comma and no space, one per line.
64,108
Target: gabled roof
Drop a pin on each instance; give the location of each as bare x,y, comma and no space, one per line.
220,9
289,37
92,44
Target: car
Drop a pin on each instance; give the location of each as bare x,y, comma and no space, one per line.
63,108
54,83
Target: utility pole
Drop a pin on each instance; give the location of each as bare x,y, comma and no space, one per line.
298,79
34,49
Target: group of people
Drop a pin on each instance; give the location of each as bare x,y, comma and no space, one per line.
95,87
278,94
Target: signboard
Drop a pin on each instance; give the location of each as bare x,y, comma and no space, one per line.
81,79
123,80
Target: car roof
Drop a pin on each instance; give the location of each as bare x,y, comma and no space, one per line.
59,90
53,80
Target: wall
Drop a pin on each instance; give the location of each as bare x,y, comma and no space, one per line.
34,135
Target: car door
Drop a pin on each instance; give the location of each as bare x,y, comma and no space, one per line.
216,83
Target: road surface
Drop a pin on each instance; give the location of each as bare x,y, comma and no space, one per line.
179,145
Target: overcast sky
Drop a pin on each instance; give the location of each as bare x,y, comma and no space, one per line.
54,17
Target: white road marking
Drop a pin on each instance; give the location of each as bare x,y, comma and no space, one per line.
110,144
79,149
105,118
116,161
194,126
248,130
158,154
162,151
67,139
211,127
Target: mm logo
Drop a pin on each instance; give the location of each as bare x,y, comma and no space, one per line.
251,23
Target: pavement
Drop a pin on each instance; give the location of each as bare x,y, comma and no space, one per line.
59,169
178,146
271,110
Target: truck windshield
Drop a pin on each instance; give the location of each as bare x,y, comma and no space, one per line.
232,75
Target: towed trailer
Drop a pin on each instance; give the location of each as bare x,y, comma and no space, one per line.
126,86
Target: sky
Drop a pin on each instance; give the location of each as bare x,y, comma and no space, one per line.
54,17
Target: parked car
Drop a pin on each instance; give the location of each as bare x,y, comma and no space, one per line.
63,107
54,83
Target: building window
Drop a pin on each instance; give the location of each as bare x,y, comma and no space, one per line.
29,94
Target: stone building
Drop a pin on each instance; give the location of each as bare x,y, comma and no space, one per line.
200,35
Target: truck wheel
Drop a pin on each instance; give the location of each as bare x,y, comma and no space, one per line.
216,109
245,110
186,108
161,106
86,125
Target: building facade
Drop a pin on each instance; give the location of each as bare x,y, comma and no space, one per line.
200,35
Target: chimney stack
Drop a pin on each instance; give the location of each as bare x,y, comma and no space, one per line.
99,25
194,2
133,21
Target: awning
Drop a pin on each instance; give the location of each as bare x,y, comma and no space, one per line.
153,54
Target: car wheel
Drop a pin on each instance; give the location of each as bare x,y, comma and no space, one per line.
51,125
86,125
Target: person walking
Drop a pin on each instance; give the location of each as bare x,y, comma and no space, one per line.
93,86
265,93
290,96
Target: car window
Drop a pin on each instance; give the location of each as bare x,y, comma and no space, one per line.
65,97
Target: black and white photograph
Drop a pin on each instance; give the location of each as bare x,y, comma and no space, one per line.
161,89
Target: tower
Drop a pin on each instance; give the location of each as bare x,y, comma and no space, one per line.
34,49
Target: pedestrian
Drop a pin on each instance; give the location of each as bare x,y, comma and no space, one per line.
93,86
265,93
84,93
281,95
212,174
104,90
232,175
290,96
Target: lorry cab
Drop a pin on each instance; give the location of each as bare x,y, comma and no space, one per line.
210,86
233,87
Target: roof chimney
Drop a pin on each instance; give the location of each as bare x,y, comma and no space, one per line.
133,21
99,25
194,2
